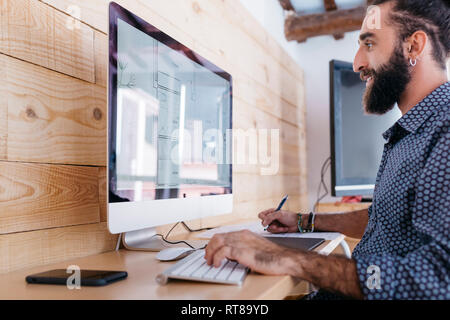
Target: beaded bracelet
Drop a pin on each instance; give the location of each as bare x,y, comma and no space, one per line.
310,226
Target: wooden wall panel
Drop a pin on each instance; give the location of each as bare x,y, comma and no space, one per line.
257,95
91,12
291,158
52,118
101,58
254,187
102,193
3,114
40,196
35,32
184,20
53,113
29,249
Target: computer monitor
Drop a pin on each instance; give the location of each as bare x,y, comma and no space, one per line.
169,122
356,138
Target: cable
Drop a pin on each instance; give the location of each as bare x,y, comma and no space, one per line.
164,238
325,166
173,227
174,242
193,230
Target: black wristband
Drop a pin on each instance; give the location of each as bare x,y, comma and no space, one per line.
309,226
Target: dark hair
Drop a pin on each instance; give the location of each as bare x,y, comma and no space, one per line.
430,16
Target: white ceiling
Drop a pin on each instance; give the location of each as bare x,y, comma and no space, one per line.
317,6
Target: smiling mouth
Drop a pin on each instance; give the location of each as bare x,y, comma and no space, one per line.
369,80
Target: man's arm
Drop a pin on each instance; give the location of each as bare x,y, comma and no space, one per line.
352,224
334,273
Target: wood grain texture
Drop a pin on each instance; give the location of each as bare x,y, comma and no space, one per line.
102,193
35,32
3,113
291,158
51,117
35,248
257,95
90,12
40,196
300,28
101,58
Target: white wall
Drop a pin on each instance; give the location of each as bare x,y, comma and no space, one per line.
313,56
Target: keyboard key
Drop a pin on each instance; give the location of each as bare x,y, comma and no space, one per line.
213,272
202,270
186,262
194,267
191,268
225,272
237,273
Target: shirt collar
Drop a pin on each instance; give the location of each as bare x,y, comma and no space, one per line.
415,117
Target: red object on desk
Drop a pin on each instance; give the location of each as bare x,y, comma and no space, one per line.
351,199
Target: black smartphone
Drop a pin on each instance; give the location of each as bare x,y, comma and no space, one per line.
87,277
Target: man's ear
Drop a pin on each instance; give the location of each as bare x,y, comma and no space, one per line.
416,44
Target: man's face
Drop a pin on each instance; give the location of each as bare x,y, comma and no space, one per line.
381,62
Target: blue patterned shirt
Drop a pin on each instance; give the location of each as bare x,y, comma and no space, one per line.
405,250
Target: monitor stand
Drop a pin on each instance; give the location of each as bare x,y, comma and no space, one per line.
148,240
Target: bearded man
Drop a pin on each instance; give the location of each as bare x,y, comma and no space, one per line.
404,252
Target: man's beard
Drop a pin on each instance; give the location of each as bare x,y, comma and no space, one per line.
388,84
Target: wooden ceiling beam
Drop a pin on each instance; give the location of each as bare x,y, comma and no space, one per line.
286,5
330,5
300,28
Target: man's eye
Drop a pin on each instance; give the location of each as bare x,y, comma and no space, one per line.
369,45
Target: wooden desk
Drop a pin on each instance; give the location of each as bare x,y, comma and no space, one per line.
142,268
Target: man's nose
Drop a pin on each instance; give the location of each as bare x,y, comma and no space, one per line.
360,62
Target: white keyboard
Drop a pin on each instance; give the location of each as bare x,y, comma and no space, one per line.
194,267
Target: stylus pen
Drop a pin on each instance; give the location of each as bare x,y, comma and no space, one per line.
278,208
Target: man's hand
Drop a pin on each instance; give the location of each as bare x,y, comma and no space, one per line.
333,273
249,249
280,221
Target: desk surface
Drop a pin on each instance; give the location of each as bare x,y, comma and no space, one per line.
142,268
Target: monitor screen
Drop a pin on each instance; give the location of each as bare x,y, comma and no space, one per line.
170,116
356,138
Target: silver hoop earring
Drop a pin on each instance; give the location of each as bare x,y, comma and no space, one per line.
413,64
